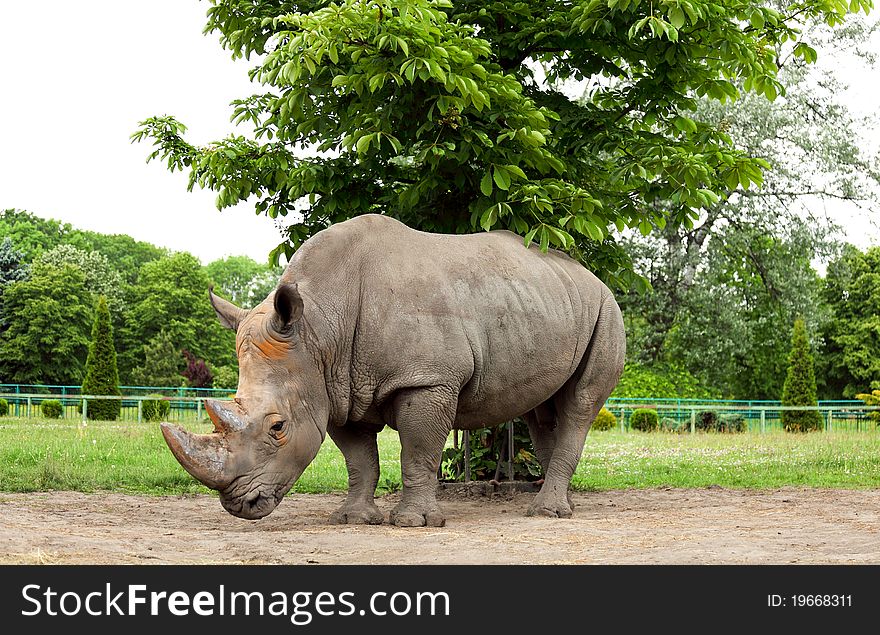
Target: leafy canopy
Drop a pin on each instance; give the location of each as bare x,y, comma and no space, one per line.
452,116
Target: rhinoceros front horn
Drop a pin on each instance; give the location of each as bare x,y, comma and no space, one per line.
205,456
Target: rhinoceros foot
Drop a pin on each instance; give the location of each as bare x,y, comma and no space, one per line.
362,514
551,507
406,516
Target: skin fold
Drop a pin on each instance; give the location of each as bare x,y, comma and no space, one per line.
374,324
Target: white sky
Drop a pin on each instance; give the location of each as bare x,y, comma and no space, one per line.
77,77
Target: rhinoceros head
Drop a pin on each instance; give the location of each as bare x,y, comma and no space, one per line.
270,432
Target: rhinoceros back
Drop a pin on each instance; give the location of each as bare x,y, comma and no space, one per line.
503,325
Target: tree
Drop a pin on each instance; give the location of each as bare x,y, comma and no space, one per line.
47,318
800,384
724,292
101,279
850,363
162,362
171,295
12,265
452,117
242,280
197,373
101,376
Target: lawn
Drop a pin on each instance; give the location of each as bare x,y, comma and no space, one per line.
129,457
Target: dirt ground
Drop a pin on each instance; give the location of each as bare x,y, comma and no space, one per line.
663,526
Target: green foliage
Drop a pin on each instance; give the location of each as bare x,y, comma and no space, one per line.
670,424
872,399
155,409
101,376
100,278
733,423
800,384
435,112
644,420
849,361
162,363
488,448
12,265
46,320
605,420
172,296
707,421
4,407
51,408
226,377
241,280
660,381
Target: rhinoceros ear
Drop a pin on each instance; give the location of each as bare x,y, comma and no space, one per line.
229,314
288,306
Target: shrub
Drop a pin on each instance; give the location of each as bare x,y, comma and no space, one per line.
644,419
669,424
605,420
51,409
226,377
102,377
4,407
489,455
800,384
870,399
707,421
155,409
733,423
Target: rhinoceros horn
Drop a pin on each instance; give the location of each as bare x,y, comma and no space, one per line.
204,456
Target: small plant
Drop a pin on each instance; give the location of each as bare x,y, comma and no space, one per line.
732,423
605,420
488,448
644,419
102,377
51,409
707,421
670,424
4,407
155,409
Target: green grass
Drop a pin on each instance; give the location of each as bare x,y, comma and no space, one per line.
40,455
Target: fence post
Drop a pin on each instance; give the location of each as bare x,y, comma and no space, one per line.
199,409
763,419
85,409
693,421
830,418
28,411
140,410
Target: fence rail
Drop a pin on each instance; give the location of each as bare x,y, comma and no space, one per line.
758,416
27,405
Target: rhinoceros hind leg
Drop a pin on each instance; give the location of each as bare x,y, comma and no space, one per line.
577,404
358,446
424,417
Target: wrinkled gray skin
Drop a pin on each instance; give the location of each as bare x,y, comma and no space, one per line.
374,324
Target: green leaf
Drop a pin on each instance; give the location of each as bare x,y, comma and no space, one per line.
489,217
486,183
645,227
529,237
676,17
502,178
515,169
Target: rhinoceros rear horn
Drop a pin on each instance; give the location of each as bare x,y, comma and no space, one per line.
288,306
230,315
202,455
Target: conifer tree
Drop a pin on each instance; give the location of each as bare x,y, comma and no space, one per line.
101,376
800,384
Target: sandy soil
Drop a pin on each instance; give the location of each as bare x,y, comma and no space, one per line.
668,526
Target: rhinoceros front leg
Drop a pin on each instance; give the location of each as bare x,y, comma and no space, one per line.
424,418
358,446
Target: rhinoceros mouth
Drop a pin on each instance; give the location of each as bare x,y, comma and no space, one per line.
251,506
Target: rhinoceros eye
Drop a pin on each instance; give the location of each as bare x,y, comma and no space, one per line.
277,427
